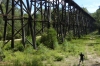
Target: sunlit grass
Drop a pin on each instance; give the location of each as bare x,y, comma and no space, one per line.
44,56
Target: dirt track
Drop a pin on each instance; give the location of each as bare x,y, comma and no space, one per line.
92,59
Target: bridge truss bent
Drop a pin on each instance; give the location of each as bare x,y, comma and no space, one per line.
63,15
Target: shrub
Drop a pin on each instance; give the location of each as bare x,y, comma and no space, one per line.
69,35
7,46
43,39
65,45
1,36
1,55
58,57
29,49
17,36
19,47
16,63
9,35
38,40
42,49
49,39
37,61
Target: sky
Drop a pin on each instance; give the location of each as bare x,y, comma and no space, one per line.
91,5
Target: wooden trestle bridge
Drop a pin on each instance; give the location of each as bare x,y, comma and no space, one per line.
63,15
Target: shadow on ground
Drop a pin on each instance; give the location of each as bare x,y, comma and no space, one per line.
97,64
91,44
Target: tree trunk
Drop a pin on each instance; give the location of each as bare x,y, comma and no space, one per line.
99,30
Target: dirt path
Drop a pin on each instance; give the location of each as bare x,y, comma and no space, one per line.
91,58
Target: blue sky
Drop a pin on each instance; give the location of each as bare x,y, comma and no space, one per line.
91,5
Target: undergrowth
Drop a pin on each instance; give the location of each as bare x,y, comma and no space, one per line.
45,56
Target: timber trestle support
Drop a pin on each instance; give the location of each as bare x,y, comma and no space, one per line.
63,15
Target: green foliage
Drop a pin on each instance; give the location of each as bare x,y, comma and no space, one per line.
69,35
97,17
43,38
18,46
85,9
16,63
49,39
17,23
7,46
58,57
2,56
72,47
43,52
38,39
42,49
29,49
36,61
9,35
65,45
1,35
1,27
45,56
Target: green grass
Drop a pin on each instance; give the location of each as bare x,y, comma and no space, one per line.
44,56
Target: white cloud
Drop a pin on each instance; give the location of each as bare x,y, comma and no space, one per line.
91,5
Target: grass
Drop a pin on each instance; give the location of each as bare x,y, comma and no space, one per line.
45,56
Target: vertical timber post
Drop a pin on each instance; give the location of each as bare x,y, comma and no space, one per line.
12,39
49,13
33,29
5,25
22,24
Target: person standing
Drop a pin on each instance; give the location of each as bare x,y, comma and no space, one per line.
81,57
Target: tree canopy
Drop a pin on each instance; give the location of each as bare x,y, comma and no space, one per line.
96,15
85,9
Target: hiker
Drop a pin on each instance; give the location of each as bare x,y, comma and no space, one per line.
81,57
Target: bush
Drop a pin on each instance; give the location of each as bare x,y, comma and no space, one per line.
1,36
19,47
42,49
69,35
38,38
43,39
18,36
16,63
49,39
7,46
36,61
43,52
1,55
65,45
59,57
9,36
29,49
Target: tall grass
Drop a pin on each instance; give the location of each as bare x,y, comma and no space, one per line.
45,56
49,39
